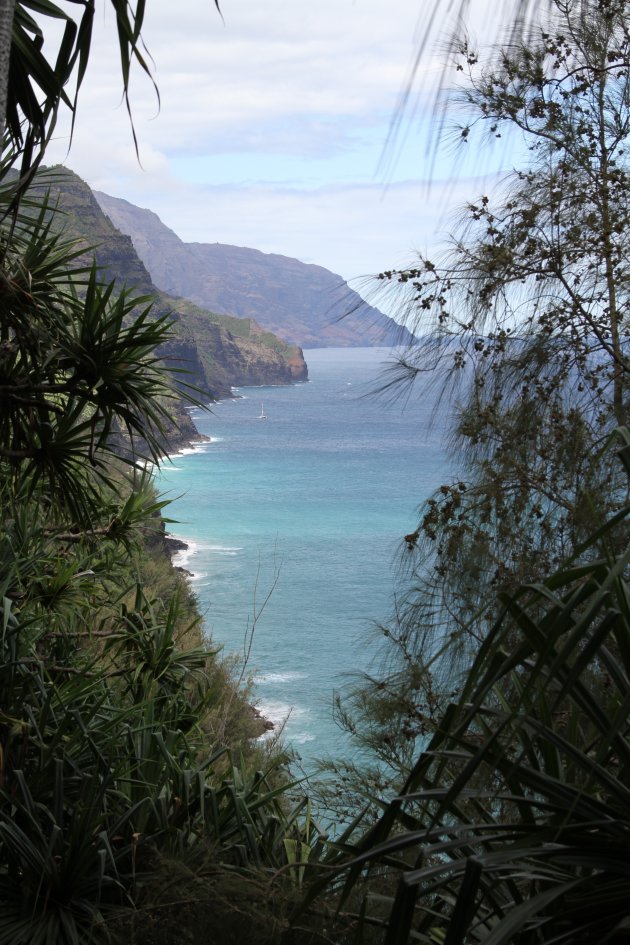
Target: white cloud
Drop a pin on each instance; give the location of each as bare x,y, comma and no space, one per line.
270,128
287,62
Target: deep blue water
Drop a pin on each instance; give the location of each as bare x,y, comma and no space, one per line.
310,504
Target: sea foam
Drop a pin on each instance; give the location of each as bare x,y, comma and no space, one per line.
274,678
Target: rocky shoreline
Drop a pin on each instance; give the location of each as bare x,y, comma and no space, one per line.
173,546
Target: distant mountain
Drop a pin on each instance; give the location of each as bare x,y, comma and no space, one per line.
217,351
304,304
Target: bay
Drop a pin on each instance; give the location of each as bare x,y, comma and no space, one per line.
295,525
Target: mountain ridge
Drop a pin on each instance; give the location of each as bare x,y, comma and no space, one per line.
303,303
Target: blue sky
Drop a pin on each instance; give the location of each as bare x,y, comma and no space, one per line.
271,130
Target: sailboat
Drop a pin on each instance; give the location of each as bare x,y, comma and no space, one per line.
263,415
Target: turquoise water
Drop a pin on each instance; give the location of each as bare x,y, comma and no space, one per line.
293,525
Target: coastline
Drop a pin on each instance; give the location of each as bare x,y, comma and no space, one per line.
284,493
175,546
180,551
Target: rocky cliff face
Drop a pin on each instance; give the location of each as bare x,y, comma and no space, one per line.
219,363
82,219
217,351
304,304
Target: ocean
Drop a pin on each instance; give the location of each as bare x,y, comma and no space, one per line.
294,525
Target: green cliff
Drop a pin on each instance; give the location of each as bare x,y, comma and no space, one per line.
217,351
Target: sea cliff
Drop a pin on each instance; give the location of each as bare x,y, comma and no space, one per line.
302,303
214,352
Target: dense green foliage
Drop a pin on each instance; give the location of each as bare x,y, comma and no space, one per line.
120,736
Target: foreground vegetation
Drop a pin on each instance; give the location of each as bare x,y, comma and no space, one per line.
129,770
127,754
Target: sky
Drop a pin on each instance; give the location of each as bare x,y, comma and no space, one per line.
272,129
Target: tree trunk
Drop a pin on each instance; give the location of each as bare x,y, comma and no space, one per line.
7,10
